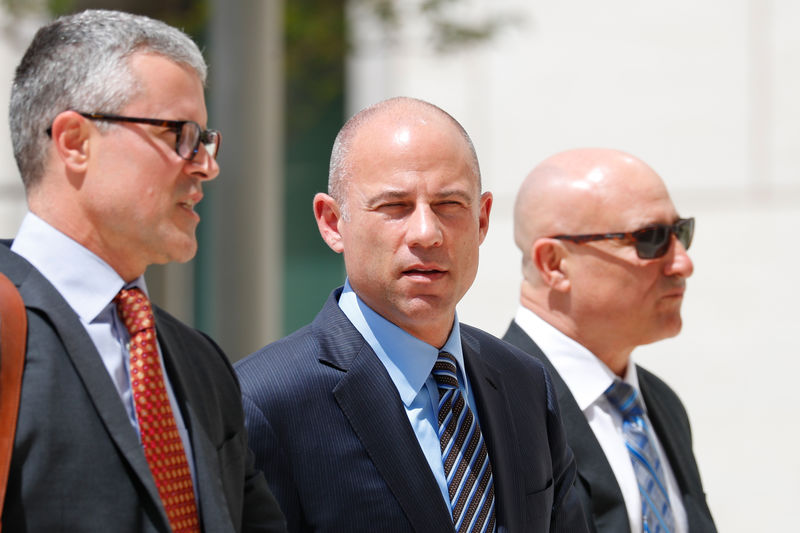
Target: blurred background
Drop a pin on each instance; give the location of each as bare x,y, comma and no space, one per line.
705,92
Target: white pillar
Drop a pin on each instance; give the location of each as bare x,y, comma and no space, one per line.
246,89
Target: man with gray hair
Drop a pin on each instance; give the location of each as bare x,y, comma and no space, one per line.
129,420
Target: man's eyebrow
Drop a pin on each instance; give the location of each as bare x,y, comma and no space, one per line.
400,194
649,222
461,194
388,195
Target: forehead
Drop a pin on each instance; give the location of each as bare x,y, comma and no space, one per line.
642,202
620,197
164,85
402,150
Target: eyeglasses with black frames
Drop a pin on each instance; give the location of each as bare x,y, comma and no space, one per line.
189,134
651,241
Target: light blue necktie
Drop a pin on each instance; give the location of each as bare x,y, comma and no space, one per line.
466,461
656,512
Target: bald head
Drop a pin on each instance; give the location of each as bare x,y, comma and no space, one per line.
600,293
586,190
386,116
406,212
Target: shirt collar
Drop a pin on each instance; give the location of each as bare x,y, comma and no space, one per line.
86,282
584,374
407,359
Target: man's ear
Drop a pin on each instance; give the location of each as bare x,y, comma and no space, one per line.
483,215
328,216
549,257
70,134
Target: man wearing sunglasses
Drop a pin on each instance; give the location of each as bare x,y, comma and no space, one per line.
129,420
605,263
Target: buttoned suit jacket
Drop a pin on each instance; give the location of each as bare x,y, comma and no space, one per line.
330,432
77,463
598,489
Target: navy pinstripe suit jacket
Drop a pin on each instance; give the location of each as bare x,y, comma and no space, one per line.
330,432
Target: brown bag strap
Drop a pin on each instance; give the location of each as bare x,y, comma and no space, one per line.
13,332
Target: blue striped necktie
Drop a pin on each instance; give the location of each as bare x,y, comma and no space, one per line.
466,461
656,512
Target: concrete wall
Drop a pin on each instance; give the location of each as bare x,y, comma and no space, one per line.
706,93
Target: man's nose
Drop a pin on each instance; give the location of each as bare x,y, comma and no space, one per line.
203,165
424,228
678,261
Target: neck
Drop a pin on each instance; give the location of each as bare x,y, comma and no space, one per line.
594,339
70,224
618,365
436,337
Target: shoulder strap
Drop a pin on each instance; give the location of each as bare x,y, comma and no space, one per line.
13,332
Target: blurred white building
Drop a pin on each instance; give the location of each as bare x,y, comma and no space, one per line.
15,35
706,93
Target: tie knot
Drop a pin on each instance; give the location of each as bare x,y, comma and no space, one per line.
625,398
444,371
134,310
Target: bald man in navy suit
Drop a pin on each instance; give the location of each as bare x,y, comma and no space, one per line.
344,415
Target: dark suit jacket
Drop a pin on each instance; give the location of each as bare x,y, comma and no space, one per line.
329,430
77,463
597,486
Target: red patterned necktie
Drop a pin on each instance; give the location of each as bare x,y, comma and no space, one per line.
161,440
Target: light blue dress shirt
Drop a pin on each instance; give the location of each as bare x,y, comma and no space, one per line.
89,286
409,362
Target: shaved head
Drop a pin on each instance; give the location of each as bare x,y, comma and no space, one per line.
581,191
406,211
400,109
600,293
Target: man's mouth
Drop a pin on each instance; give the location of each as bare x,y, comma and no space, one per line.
422,272
190,202
676,291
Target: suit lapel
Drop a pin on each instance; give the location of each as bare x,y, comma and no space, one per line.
671,425
370,401
608,505
608,511
214,511
41,297
668,432
498,431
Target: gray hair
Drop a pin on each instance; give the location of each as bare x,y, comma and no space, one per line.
81,62
340,166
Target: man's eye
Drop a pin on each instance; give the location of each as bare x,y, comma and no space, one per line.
392,206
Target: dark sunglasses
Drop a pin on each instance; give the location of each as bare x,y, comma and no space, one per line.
650,242
189,134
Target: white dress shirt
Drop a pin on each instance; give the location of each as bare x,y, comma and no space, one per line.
89,286
409,362
587,379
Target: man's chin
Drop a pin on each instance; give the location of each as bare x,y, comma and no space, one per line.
669,329
425,309
181,252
